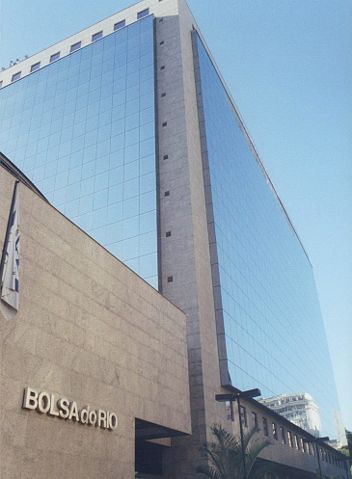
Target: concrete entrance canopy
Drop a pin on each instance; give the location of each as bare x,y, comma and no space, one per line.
91,332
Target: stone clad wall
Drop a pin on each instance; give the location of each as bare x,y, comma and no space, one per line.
91,330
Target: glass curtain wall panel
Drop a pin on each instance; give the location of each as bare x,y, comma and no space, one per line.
271,328
83,130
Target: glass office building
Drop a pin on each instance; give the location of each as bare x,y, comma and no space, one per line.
104,125
83,130
272,330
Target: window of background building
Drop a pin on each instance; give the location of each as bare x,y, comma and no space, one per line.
289,435
255,419
243,415
143,13
75,46
97,35
265,426
16,76
283,436
274,430
119,25
54,57
35,67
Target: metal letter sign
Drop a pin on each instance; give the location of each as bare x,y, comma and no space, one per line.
63,408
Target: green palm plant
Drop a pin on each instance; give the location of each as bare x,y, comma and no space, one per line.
225,460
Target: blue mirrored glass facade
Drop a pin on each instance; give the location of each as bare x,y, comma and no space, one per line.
83,130
271,325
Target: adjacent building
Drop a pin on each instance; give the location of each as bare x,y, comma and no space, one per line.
301,409
91,335
128,129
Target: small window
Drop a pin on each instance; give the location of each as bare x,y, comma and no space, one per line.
54,57
296,442
97,36
255,419
170,279
16,76
243,416
165,157
168,234
35,67
265,426
229,411
290,441
282,434
274,430
75,46
143,13
119,25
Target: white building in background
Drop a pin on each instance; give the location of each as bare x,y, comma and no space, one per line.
341,439
301,409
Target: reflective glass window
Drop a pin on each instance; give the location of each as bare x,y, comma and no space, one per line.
243,415
89,146
97,36
54,57
16,76
263,280
35,67
75,46
143,13
265,427
283,435
255,419
297,442
119,25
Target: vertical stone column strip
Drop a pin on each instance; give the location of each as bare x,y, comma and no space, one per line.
185,255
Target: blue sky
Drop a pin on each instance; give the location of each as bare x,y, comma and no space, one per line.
288,64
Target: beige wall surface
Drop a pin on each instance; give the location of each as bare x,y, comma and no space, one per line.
90,330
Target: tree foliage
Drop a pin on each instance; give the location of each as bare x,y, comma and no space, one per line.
225,460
